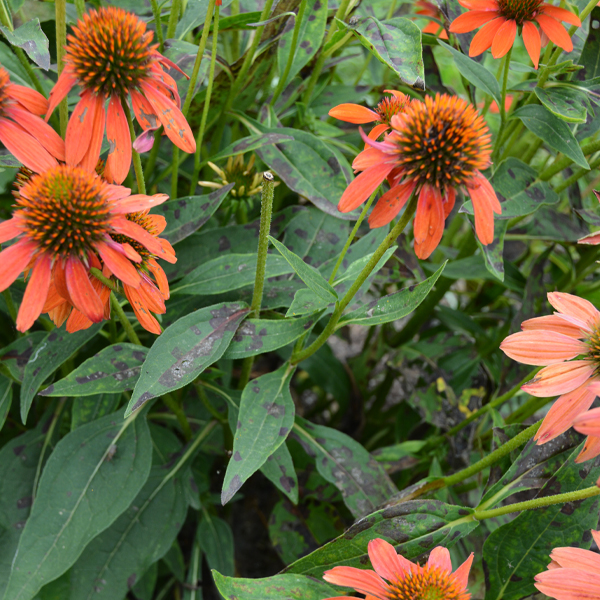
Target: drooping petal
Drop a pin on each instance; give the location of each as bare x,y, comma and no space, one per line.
448,201
116,192
138,202
160,277
591,449
81,291
532,41
119,141
151,297
504,38
462,573
588,422
147,320
40,130
391,203
366,582
377,131
91,157
363,186
577,558
9,229
471,20
139,234
483,39
14,260
440,557
429,221
353,113
560,14
53,299
558,324
62,87
574,306
169,254
35,292
569,584
367,158
541,348
560,379
479,4
59,313
144,113
25,148
385,560
119,264
79,128
485,203
564,412
593,239
30,99
555,31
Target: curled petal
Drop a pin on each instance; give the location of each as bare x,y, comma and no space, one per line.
576,558
591,449
145,141
118,264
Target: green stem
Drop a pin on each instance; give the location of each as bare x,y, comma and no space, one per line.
151,162
118,310
173,18
343,303
206,107
137,162
235,38
351,236
590,492
61,41
576,176
533,148
176,409
107,282
158,23
80,7
502,108
564,161
290,60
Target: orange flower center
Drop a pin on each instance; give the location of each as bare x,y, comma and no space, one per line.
110,51
429,583
65,210
389,107
519,10
441,141
141,219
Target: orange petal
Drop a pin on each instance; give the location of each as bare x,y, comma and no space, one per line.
40,130
144,113
556,323
560,14
564,412
62,87
169,254
532,41
429,221
593,239
367,158
151,297
391,203
77,322
119,141
147,321
14,260
483,39
560,379
139,234
588,422
91,157
79,128
440,557
25,148
541,348
573,306
555,32
591,449
504,38
448,201
60,313
160,277
569,584
485,203
576,558
81,291
462,573
353,113
35,293
9,229
479,4
53,299
119,264
377,131
366,582
159,223
32,100
471,20
386,561
138,203
363,186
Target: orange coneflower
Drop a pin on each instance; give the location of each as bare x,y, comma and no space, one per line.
382,114
27,136
573,332
429,9
435,147
63,217
110,56
573,574
407,580
502,18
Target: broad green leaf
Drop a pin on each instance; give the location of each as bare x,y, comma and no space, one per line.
117,558
306,302
493,254
144,588
15,69
345,463
278,587
5,398
266,415
566,103
394,306
15,356
311,277
91,477
186,215
590,55
250,143
413,527
257,336
310,36
185,349
89,408
512,559
215,538
396,43
239,21
54,349
552,130
279,469
475,73
32,39
114,369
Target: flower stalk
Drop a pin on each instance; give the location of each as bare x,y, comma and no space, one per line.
60,7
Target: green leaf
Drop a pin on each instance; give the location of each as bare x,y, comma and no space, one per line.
265,418
258,336
227,273
114,369
91,477
5,398
7,161
590,56
185,349
310,36
250,143
279,470
552,130
56,348
394,306
32,39
493,254
15,356
278,587
89,408
311,277
194,15
117,558
475,73
512,559
215,538
564,102
396,43
306,302
345,463
239,21
186,215
413,527
358,265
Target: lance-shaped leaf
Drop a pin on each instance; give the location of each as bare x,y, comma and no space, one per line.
413,527
493,254
257,336
52,351
186,215
215,538
566,103
279,469
15,356
32,39
89,408
113,369
345,463
250,143
278,587
311,277
512,559
91,477
185,349
265,418
394,306
5,398
306,302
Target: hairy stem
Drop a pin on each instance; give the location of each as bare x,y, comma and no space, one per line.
61,41
158,23
118,310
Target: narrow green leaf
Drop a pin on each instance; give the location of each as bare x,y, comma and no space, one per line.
215,538
306,302
566,103
250,143
5,398
15,356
